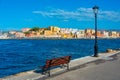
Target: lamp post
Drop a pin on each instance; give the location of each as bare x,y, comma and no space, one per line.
95,9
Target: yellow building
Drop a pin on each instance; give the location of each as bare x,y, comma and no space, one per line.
93,31
88,31
54,29
113,34
118,35
67,35
41,31
47,33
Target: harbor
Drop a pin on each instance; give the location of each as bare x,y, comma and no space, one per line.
75,65
24,55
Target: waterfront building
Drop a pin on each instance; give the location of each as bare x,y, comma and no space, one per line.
68,30
80,34
112,34
74,31
25,29
54,29
47,32
105,34
41,31
92,31
88,30
67,35
12,32
4,36
19,35
29,35
88,33
65,30
117,34
99,34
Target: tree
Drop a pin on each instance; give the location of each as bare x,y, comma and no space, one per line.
35,29
26,33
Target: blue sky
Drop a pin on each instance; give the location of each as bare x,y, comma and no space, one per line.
18,14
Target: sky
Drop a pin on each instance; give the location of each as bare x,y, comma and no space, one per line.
18,14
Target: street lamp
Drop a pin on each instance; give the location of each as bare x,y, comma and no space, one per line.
95,9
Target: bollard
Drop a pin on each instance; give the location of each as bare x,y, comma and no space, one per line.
109,50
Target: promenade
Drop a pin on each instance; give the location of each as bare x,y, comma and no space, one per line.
104,67
106,70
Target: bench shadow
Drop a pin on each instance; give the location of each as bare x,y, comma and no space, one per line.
38,71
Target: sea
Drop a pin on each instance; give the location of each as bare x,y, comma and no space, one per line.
20,55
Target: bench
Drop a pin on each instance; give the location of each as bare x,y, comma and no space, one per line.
61,61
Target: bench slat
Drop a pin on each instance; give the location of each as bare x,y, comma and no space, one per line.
56,62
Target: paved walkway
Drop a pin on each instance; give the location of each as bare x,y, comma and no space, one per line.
107,70
87,68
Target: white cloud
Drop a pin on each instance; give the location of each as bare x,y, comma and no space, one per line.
62,14
80,14
110,15
65,20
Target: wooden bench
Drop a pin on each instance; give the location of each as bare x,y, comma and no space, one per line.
61,61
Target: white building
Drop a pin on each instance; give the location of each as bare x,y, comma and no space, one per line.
68,30
4,36
19,35
25,29
113,34
80,34
105,33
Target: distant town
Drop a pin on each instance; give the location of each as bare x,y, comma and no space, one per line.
57,32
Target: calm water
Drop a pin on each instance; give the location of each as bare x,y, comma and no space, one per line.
23,55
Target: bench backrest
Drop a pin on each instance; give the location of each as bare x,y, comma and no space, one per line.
57,61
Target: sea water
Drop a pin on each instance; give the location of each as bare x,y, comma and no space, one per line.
22,55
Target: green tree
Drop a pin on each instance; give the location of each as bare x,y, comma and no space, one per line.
26,33
35,29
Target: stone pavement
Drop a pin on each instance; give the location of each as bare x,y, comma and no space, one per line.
87,68
106,70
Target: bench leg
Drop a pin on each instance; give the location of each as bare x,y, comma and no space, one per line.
67,66
44,71
49,72
62,65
